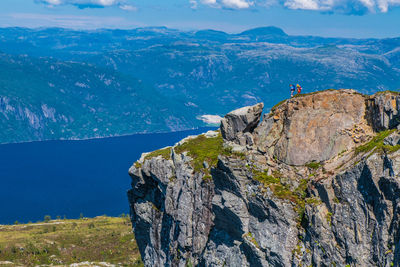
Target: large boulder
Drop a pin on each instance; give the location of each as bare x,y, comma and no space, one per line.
237,123
314,127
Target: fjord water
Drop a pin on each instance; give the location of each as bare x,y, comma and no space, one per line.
68,178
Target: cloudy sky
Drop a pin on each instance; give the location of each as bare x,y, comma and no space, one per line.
346,18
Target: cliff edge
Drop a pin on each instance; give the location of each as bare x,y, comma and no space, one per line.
313,182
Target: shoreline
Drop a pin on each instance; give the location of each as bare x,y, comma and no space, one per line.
107,137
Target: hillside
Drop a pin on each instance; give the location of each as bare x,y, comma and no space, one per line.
42,99
100,241
314,183
115,82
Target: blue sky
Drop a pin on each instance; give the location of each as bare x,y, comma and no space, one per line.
336,18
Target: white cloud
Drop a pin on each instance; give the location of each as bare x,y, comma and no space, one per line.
231,4
67,21
237,4
128,7
89,3
357,7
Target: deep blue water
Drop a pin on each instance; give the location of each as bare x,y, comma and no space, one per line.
72,177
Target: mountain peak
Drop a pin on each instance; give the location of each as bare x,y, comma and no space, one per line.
261,31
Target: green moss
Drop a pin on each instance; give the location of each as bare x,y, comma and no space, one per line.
342,152
313,201
329,218
377,143
387,92
138,165
263,177
336,200
282,191
313,165
390,149
164,153
207,178
252,239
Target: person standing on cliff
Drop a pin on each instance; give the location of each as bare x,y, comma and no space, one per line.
299,89
292,89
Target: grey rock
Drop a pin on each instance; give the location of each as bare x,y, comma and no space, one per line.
384,110
392,140
240,121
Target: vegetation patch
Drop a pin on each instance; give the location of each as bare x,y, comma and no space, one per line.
314,165
138,165
297,195
252,239
202,149
329,218
277,105
313,201
313,93
282,191
387,92
64,242
377,143
165,153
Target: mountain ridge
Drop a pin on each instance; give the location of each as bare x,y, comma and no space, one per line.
191,74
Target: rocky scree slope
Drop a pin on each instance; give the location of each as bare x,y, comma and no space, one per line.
316,182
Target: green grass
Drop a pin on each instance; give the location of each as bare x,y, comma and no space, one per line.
277,105
202,149
313,93
165,153
281,190
313,165
329,218
100,239
387,92
264,178
377,144
298,195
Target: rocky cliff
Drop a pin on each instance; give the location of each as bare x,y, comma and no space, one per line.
316,182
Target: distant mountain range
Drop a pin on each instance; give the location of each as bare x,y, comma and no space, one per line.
65,84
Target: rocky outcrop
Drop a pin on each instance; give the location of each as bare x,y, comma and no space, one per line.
204,202
315,127
238,125
384,110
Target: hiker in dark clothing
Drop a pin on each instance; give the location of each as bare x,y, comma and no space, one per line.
292,90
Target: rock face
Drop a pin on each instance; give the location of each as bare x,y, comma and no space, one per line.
384,109
200,203
237,123
314,127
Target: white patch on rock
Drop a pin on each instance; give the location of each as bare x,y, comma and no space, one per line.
49,112
211,134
